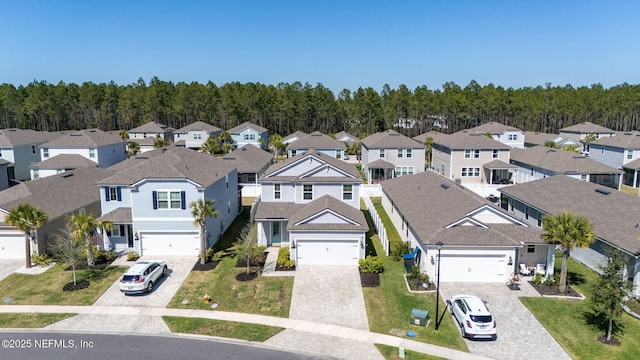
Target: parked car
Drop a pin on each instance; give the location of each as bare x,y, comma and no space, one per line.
473,317
142,276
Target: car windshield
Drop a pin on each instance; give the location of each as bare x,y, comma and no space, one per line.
130,278
481,318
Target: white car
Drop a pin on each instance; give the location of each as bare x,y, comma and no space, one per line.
473,317
141,276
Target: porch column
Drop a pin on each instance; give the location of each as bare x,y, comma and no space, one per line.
635,177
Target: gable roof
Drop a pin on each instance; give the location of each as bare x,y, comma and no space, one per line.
198,126
626,140
560,161
249,159
152,127
245,125
344,134
296,135
538,138
324,160
390,139
493,128
469,140
18,137
84,138
171,162
316,140
117,216
422,138
64,161
586,128
431,204
57,195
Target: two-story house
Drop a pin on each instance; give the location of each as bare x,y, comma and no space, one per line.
319,142
145,135
505,134
195,134
532,138
101,147
59,164
621,152
389,154
148,198
21,149
579,133
250,134
311,203
614,216
251,163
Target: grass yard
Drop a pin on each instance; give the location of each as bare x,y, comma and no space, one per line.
392,232
629,190
566,321
392,353
228,329
46,288
29,320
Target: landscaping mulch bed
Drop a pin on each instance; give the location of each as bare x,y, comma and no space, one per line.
416,284
206,267
82,284
369,279
255,262
613,342
243,276
553,290
278,268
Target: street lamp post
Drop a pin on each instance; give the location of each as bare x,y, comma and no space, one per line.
439,245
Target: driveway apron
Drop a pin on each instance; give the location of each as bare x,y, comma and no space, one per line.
329,294
520,335
7,267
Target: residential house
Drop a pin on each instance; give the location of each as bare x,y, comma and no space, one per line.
389,154
59,164
621,152
195,134
148,198
249,133
345,137
311,202
540,161
480,241
541,139
579,132
96,145
20,148
505,134
319,142
293,137
72,192
251,163
614,216
151,130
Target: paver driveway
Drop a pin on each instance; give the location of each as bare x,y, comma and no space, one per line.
520,335
8,266
164,290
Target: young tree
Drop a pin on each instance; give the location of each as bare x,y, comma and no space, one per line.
551,144
246,245
611,290
569,231
26,218
68,249
275,140
201,210
428,144
83,228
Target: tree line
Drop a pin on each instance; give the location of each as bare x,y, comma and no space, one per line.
285,108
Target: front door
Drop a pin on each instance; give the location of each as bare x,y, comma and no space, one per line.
276,233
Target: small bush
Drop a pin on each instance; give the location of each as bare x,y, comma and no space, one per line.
372,264
219,255
537,279
40,260
284,260
208,254
133,256
103,256
398,249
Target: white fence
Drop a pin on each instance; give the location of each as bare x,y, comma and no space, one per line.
377,223
251,190
254,208
369,190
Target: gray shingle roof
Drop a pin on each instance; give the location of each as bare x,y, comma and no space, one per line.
538,138
381,164
390,139
586,128
325,159
64,161
244,125
559,161
199,125
430,203
614,216
84,138
493,128
152,127
422,138
316,140
298,134
121,215
18,137
468,140
57,195
344,134
635,165
627,140
498,164
249,159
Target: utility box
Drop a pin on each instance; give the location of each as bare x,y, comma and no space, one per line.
419,317
408,262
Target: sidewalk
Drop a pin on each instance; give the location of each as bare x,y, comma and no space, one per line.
303,328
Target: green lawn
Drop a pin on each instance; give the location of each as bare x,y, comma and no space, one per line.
392,353
29,320
392,232
46,288
228,329
567,321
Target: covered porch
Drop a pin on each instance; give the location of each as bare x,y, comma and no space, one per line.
631,176
498,172
120,237
380,170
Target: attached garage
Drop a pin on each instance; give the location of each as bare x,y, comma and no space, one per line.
11,245
327,252
162,243
473,268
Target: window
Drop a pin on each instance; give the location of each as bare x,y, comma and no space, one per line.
583,177
276,191
112,194
228,207
338,154
404,170
513,137
408,153
226,179
33,149
495,153
347,192
400,153
464,171
476,154
36,174
115,231
144,135
249,137
381,153
597,135
629,154
469,171
293,152
92,153
169,200
602,150
59,171
307,192
197,136
467,153
251,177
531,249
45,152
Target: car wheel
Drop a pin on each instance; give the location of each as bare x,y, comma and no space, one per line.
464,333
164,271
150,286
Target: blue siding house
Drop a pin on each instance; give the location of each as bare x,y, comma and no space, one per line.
250,134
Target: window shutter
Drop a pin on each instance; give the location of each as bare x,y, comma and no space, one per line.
106,194
182,198
155,200
119,194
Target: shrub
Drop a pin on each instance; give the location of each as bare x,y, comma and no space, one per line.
399,248
208,255
537,279
103,256
371,264
133,256
219,255
284,260
40,260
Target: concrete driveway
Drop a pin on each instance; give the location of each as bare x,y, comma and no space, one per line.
520,335
8,266
164,290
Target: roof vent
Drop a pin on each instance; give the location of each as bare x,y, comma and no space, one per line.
603,191
76,134
66,175
316,134
92,130
444,186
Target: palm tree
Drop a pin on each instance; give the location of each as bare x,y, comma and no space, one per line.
428,144
224,137
26,218
124,135
159,142
551,144
201,210
83,227
569,231
275,141
211,146
134,148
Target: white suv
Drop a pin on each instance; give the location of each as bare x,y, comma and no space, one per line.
473,317
141,276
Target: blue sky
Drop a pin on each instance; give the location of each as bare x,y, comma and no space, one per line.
340,44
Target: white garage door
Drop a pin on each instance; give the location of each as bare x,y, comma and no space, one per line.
169,243
472,268
325,252
11,246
